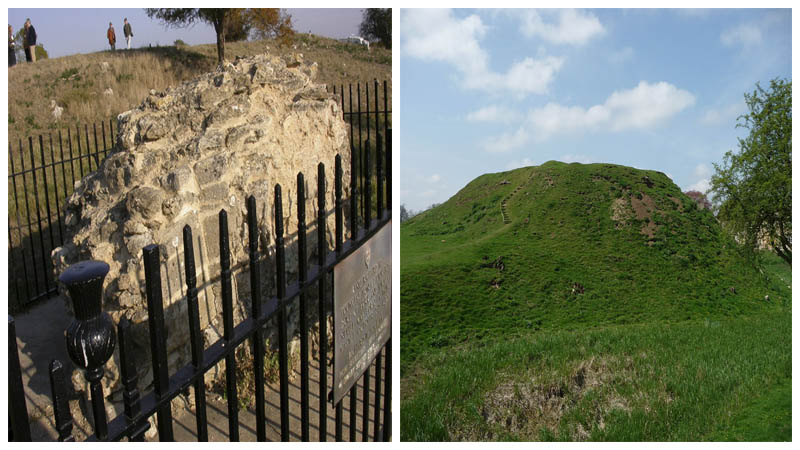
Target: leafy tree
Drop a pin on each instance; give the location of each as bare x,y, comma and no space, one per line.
699,198
41,53
753,188
236,22
239,27
404,214
18,41
376,24
271,23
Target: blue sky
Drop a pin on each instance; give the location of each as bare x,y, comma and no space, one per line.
492,90
83,30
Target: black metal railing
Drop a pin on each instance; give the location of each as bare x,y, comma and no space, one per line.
365,123
42,178
38,184
91,337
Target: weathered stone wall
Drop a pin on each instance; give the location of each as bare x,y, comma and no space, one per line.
181,157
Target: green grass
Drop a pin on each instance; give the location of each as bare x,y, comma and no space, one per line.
657,382
775,268
767,418
595,250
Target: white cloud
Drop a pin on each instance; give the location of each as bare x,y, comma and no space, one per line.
746,35
433,179
644,106
533,75
716,116
437,35
493,114
564,26
701,185
701,171
702,178
554,118
506,142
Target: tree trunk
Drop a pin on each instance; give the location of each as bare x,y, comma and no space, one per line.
784,247
219,28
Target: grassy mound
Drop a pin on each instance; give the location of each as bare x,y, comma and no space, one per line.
587,302
567,246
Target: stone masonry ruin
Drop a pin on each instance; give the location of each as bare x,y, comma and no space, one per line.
179,158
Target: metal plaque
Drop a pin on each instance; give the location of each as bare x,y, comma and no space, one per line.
362,309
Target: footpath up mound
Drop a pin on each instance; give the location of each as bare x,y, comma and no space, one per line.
181,157
567,246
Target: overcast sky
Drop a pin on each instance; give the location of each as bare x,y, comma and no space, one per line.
83,30
492,90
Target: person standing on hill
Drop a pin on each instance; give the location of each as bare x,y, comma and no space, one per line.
12,51
29,41
128,32
112,37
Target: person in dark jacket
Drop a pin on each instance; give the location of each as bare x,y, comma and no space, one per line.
12,49
112,37
128,32
29,42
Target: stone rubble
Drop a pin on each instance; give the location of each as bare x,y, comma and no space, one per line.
179,158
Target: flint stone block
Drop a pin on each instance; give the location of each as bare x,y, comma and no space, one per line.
118,171
154,128
172,206
213,140
214,194
144,201
179,180
248,134
211,235
210,170
207,99
227,110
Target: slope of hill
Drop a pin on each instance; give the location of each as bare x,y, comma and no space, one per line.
586,245
550,254
92,87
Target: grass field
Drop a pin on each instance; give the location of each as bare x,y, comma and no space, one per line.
692,381
606,307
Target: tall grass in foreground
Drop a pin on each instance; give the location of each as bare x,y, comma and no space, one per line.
656,382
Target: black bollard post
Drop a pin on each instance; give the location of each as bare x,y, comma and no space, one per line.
90,337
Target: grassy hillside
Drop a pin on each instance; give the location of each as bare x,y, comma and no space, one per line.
556,252
78,83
